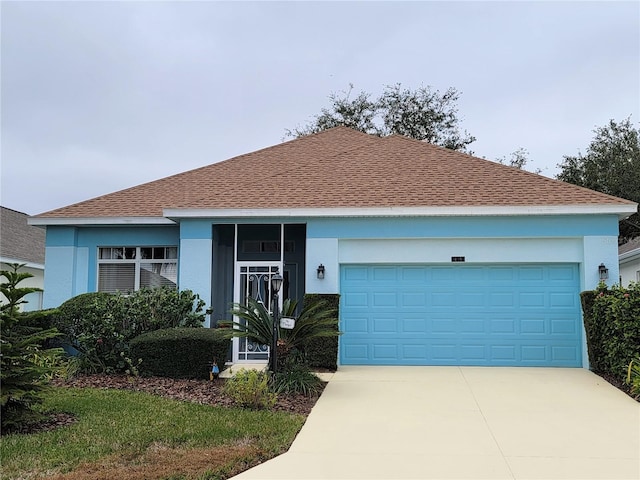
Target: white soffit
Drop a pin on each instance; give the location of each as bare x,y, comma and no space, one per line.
621,210
99,221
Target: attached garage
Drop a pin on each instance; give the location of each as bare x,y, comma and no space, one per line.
493,314
439,257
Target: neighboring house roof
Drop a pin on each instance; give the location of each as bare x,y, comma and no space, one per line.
629,250
337,169
20,242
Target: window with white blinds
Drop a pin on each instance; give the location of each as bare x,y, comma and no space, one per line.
125,269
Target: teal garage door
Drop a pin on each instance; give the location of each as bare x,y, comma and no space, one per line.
509,315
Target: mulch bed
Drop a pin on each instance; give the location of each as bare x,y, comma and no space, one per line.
619,384
203,392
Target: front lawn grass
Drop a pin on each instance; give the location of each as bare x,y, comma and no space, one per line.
122,434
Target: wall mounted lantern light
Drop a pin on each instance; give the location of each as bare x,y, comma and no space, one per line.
603,272
320,271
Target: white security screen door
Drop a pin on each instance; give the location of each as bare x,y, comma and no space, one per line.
253,279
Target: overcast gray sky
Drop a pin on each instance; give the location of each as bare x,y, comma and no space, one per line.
101,96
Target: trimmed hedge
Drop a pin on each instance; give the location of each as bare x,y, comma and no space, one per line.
612,325
323,352
180,352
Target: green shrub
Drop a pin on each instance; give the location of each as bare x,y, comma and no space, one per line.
297,379
179,352
90,325
612,324
322,352
100,325
25,363
151,309
594,327
251,389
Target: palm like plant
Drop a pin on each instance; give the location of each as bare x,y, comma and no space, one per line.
256,324
633,376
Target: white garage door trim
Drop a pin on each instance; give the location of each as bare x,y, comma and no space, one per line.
509,315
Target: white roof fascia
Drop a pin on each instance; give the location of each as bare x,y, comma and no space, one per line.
37,266
72,221
621,210
630,255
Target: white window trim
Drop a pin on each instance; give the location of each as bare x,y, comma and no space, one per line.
137,261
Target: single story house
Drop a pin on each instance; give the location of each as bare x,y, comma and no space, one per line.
440,258
629,261
23,244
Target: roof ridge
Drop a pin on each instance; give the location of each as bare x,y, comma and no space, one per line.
299,167
357,169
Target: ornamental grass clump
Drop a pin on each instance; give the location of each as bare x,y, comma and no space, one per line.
297,379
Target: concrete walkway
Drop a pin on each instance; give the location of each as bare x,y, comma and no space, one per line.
464,423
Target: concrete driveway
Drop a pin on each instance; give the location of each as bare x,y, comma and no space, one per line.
464,422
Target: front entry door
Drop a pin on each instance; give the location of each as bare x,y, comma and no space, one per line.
253,279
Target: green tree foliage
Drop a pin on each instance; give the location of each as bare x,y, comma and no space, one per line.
611,165
518,159
423,114
23,373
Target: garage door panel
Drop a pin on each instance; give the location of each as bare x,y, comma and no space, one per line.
413,324
565,299
355,274
444,326
562,326
448,315
471,300
384,299
561,274
414,353
472,326
568,353
473,353
358,325
413,275
499,326
385,351
500,274
385,325
355,299
531,274
533,326
535,299
413,299
355,354
501,300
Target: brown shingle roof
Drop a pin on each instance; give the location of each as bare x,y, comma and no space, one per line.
337,168
633,244
19,241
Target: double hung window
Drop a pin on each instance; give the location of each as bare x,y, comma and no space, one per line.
125,269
